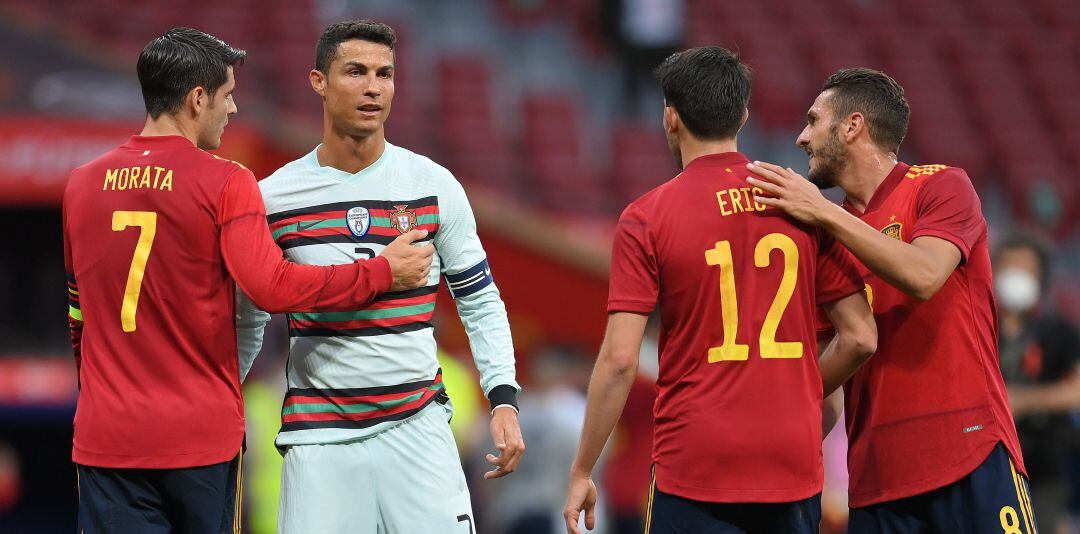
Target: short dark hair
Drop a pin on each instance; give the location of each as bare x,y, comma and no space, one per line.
340,32
878,97
179,61
709,87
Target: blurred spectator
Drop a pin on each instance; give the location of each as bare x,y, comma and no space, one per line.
1039,356
644,33
552,412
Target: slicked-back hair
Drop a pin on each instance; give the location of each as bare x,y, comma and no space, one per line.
709,87
172,65
878,97
340,32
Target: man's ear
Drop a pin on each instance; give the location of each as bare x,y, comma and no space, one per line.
197,101
318,82
672,122
854,126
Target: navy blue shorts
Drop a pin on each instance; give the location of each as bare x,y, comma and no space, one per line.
993,498
668,514
142,501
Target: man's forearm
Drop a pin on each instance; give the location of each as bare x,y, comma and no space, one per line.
902,265
839,361
831,408
484,317
608,389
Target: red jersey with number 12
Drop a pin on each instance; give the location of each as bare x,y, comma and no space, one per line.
738,415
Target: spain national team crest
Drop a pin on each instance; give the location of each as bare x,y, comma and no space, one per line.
359,221
403,220
893,230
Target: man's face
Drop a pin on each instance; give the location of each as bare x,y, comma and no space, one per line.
821,141
217,113
359,87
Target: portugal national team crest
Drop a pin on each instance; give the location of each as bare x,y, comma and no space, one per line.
893,230
359,221
403,220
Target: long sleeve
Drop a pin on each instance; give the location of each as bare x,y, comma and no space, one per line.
250,326
479,303
274,284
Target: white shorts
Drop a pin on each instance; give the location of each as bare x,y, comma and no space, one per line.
405,480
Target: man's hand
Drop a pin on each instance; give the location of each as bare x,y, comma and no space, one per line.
789,191
581,496
409,264
506,434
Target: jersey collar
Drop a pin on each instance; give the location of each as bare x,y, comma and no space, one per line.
883,191
158,142
724,159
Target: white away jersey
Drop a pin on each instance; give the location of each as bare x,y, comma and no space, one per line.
354,373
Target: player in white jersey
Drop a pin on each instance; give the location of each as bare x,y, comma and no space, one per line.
368,448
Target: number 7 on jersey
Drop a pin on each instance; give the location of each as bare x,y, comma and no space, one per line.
147,223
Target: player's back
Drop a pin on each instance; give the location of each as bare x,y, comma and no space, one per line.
738,416
159,375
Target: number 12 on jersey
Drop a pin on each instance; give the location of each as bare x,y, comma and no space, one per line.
730,349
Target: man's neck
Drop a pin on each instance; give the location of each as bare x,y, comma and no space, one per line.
695,148
863,176
349,153
167,124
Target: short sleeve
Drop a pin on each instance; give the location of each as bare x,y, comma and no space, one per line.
948,208
634,284
837,275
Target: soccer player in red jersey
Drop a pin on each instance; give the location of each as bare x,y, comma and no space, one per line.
933,447
156,232
738,418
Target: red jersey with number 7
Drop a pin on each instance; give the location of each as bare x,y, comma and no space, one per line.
156,232
738,412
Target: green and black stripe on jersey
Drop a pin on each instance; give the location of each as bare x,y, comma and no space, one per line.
327,223
74,310
393,312
309,408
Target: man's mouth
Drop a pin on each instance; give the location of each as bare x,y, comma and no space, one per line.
369,110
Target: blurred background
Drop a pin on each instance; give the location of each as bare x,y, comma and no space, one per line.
546,111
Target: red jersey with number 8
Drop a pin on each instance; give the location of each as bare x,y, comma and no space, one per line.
738,414
155,233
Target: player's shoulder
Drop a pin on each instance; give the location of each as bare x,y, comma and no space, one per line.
211,164
657,198
227,164
419,166
934,172
286,172
107,159
939,181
